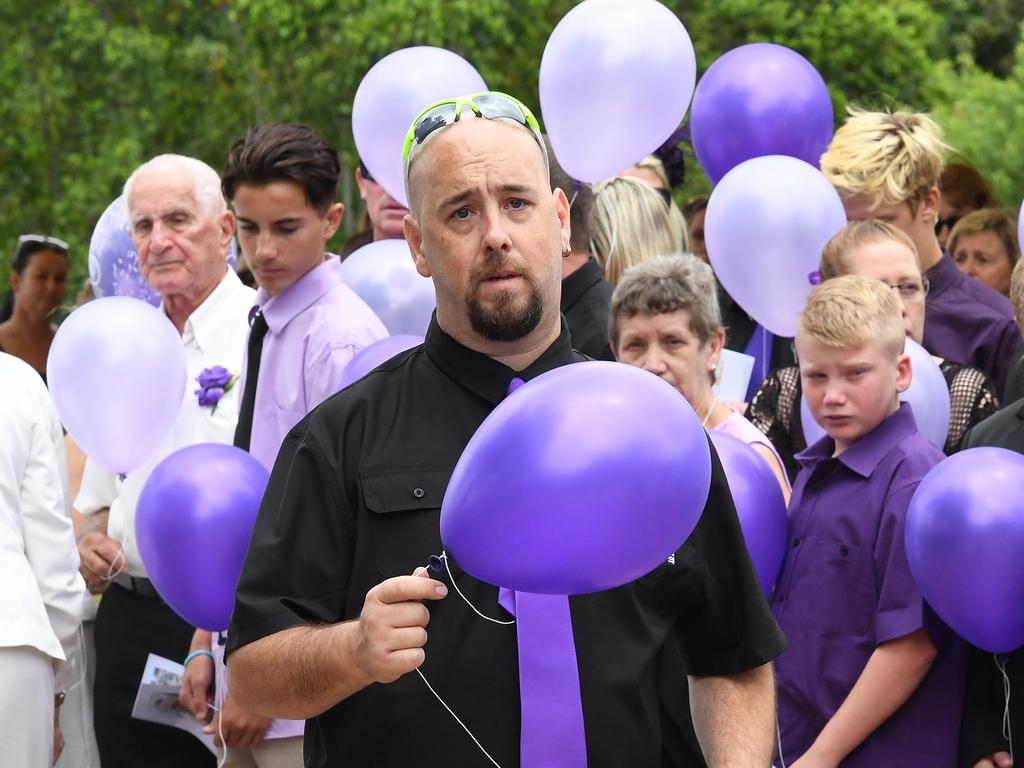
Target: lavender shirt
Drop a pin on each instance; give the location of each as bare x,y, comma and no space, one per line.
967,322
314,328
846,587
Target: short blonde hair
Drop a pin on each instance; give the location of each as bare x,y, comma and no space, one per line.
891,157
856,234
630,224
852,311
1002,222
653,164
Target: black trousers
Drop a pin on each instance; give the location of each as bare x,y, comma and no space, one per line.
128,628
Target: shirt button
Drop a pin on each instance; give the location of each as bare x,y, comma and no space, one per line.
781,598
796,542
844,550
419,493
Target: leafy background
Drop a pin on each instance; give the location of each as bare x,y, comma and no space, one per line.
91,88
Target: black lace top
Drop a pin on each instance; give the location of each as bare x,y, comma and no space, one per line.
775,409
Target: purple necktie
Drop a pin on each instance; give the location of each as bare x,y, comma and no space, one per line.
552,734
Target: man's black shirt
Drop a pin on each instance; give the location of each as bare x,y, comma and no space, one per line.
586,299
355,498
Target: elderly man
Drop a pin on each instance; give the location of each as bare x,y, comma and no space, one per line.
182,230
332,635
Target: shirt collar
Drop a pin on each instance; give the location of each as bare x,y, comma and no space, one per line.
864,456
207,321
482,374
579,282
279,309
942,275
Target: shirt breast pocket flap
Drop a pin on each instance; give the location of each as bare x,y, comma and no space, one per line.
844,582
405,516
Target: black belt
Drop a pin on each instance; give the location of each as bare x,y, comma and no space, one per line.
137,584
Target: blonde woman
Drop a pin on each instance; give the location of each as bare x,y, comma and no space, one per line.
652,170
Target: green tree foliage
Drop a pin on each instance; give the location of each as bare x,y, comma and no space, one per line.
94,87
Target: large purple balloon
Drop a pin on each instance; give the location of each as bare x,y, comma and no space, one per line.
374,355
392,93
927,394
760,505
385,277
765,226
117,373
193,523
583,479
759,99
615,81
114,262
965,535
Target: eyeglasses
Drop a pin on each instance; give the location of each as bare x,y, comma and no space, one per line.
949,221
489,104
44,239
912,292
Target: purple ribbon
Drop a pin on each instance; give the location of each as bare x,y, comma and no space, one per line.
552,733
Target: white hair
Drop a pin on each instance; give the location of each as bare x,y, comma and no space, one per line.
205,180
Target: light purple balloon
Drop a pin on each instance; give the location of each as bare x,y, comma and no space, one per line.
615,81
374,355
928,395
583,479
193,523
392,93
114,262
760,505
964,537
117,373
759,99
385,277
765,226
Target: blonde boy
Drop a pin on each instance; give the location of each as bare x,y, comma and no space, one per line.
863,682
887,166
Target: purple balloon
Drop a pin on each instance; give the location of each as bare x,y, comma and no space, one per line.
392,93
765,226
927,394
385,277
760,505
965,535
374,355
114,262
583,479
615,81
759,99
117,373
193,523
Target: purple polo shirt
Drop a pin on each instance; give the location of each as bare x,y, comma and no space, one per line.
846,587
314,327
967,322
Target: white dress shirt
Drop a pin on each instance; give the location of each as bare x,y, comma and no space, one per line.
42,594
215,334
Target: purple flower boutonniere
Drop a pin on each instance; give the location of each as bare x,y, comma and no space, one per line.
213,383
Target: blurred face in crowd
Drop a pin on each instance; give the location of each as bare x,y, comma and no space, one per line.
948,217
850,391
696,232
919,224
666,345
182,245
39,289
983,256
644,174
282,235
386,214
486,226
896,266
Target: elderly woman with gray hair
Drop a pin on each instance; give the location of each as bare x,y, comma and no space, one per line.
665,319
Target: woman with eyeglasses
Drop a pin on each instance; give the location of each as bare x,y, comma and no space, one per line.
39,275
874,249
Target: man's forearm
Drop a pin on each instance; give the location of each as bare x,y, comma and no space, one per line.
86,524
734,718
297,673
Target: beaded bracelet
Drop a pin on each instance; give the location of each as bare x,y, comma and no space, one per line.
196,654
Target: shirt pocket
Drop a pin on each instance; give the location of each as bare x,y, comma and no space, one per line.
836,593
404,508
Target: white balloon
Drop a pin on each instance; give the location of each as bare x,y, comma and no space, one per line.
384,275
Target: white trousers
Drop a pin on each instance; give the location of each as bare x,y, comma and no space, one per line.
269,753
26,707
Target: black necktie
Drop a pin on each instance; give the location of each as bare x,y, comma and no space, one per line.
243,431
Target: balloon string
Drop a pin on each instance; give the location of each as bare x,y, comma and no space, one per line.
450,712
778,736
1007,732
444,557
114,569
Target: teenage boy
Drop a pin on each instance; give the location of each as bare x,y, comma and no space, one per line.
306,325
871,678
887,166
